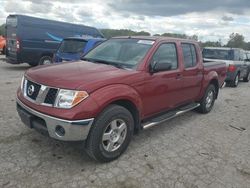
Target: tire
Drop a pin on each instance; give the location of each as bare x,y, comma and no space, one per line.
247,78
235,82
45,60
103,141
207,101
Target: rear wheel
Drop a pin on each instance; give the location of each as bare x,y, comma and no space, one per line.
111,133
207,102
45,60
236,80
247,78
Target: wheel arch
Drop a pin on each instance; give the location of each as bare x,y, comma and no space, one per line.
122,95
131,107
46,54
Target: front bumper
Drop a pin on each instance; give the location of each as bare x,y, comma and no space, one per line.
60,129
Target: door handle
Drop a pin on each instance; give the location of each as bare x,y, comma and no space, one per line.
199,72
178,76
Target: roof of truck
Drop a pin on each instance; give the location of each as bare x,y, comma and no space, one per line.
222,48
85,38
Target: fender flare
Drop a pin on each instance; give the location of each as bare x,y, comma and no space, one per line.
115,92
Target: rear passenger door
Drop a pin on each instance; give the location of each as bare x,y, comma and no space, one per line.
192,74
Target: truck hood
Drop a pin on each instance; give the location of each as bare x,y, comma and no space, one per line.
79,75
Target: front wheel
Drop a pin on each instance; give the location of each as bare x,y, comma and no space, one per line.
247,78
207,102
45,60
111,133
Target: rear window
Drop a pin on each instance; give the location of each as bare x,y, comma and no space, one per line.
11,21
72,46
218,54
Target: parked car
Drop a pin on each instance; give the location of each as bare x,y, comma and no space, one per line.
34,40
2,44
236,60
73,48
123,85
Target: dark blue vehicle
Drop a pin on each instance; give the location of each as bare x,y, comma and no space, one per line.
34,40
73,48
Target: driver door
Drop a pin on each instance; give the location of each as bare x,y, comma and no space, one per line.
163,88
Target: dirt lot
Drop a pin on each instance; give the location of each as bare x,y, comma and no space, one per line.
191,151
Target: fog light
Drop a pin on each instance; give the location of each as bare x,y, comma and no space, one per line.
60,131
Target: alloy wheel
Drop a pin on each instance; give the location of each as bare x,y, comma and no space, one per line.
114,135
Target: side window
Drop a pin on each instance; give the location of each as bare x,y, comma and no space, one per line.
242,55
236,55
167,53
189,55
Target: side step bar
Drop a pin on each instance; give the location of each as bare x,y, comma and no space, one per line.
169,115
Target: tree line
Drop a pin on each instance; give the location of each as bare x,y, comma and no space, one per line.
235,40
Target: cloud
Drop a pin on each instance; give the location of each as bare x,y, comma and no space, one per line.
173,7
227,18
209,20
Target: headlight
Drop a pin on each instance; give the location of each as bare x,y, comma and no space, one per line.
69,98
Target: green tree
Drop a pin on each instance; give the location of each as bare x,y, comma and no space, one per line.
247,46
175,35
236,40
2,29
108,33
211,44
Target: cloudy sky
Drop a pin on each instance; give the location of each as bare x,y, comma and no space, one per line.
210,20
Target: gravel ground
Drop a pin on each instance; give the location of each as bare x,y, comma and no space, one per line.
191,151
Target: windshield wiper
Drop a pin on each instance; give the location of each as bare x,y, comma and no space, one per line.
115,64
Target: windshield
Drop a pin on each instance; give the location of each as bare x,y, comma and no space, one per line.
218,54
120,52
72,46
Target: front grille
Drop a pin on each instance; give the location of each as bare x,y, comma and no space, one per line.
32,90
39,93
51,96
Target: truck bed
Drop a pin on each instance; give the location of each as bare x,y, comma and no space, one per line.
218,67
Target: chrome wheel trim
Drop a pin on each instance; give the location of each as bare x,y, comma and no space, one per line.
236,80
47,62
209,99
114,135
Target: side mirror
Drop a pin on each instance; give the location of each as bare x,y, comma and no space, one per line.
162,66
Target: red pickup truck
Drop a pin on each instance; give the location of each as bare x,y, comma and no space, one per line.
124,85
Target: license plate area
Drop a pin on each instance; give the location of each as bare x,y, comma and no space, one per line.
32,121
25,117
